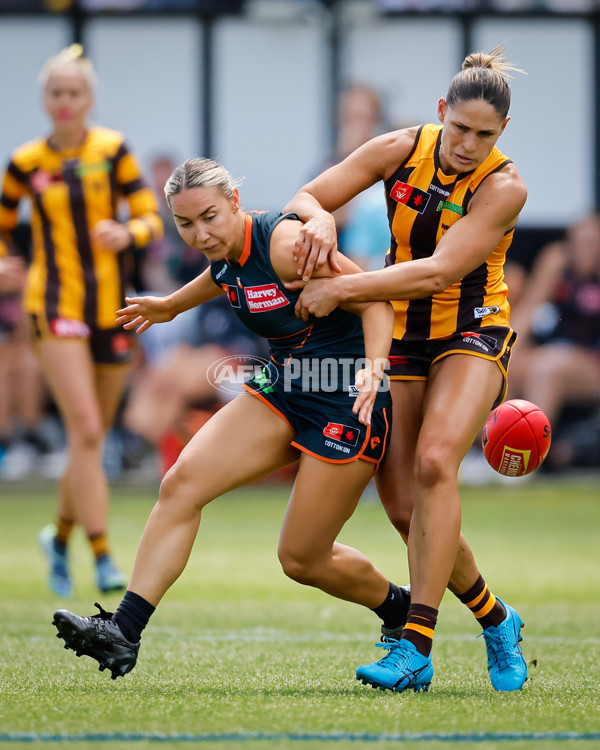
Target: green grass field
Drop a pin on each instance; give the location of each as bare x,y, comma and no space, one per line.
238,656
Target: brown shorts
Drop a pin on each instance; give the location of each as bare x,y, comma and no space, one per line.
108,346
412,360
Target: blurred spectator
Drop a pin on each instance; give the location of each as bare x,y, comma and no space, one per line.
556,361
24,446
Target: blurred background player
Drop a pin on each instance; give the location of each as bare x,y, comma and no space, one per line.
76,179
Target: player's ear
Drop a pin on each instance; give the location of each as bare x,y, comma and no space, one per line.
235,200
441,109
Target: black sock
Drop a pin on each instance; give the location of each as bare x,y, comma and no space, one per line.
394,609
132,615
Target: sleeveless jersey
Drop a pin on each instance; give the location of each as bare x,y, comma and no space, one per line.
266,307
423,203
70,191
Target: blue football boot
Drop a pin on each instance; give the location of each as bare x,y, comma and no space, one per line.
108,576
59,579
506,665
403,667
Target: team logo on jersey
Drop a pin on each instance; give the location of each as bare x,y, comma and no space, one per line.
265,297
480,340
450,207
481,312
70,328
40,181
232,294
99,166
341,432
411,196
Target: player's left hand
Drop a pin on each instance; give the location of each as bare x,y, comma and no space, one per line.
315,245
367,381
112,235
142,312
318,297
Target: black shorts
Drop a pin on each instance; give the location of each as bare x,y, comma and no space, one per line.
323,423
108,346
412,360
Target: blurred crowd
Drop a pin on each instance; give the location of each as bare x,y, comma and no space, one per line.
554,283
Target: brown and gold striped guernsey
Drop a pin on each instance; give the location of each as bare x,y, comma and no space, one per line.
423,203
70,191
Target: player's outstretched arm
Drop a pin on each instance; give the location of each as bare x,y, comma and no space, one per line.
142,312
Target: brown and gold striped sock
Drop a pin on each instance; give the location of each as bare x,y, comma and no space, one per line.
488,610
64,527
419,627
99,545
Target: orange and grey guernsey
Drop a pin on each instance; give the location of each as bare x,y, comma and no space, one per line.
423,203
71,276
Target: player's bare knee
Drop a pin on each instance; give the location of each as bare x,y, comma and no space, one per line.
298,568
87,434
180,485
434,465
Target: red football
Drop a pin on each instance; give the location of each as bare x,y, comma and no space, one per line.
516,438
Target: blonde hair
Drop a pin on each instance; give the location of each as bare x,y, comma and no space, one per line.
71,54
197,173
484,75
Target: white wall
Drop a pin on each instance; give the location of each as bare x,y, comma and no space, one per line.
149,84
